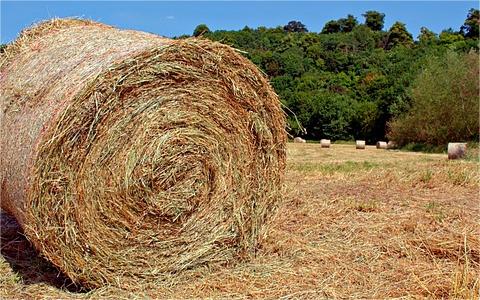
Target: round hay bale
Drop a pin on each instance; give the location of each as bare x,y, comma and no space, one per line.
359,144
391,145
381,145
130,158
456,150
325,143
299,140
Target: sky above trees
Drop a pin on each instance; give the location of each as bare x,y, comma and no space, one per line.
177,18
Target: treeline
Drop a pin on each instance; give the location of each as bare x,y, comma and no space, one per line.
350,80
359,80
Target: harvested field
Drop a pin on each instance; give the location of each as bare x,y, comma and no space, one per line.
353,224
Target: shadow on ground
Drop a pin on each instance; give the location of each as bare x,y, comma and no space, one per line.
26,261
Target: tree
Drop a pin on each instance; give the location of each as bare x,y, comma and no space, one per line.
445,103
331,27
448,36
399,35
470,29
201,30
293,62
426,36
342,85
374,20
363,38
347,24
341,25
295,26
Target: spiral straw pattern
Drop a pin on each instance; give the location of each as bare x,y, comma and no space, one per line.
127,157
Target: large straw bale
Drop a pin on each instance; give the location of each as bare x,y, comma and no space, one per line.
324,143
391,145
127,157
299,140
359,144
456,150
382,145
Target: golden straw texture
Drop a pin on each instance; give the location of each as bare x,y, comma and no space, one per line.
127,157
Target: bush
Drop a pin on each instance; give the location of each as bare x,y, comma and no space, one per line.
445,106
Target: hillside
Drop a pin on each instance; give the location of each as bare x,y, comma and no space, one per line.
348,81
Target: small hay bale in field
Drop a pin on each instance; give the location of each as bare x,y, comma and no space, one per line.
130,158
359,144
325,143
391,145
299,140
456,150
381,145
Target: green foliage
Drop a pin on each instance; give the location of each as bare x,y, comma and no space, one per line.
350,80
347,24
374,20
421,147
449,36
469,29
331,27
292,61
341,25
346,167
399,35
427,36
201,30
295,26
445,103
363,38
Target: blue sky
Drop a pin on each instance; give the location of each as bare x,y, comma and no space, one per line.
176,18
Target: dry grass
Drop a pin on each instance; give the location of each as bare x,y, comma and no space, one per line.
353,224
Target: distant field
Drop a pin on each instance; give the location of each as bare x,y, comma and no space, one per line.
353,224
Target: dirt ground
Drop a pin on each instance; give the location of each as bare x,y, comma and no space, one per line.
353,224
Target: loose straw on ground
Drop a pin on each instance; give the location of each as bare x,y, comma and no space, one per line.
127,157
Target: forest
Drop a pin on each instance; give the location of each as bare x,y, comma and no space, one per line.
360,80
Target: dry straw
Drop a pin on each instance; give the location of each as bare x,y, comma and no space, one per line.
299,140
456,150
127,157
391,145
324,143
382,145
359,144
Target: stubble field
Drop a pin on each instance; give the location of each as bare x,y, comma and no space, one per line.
353,224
